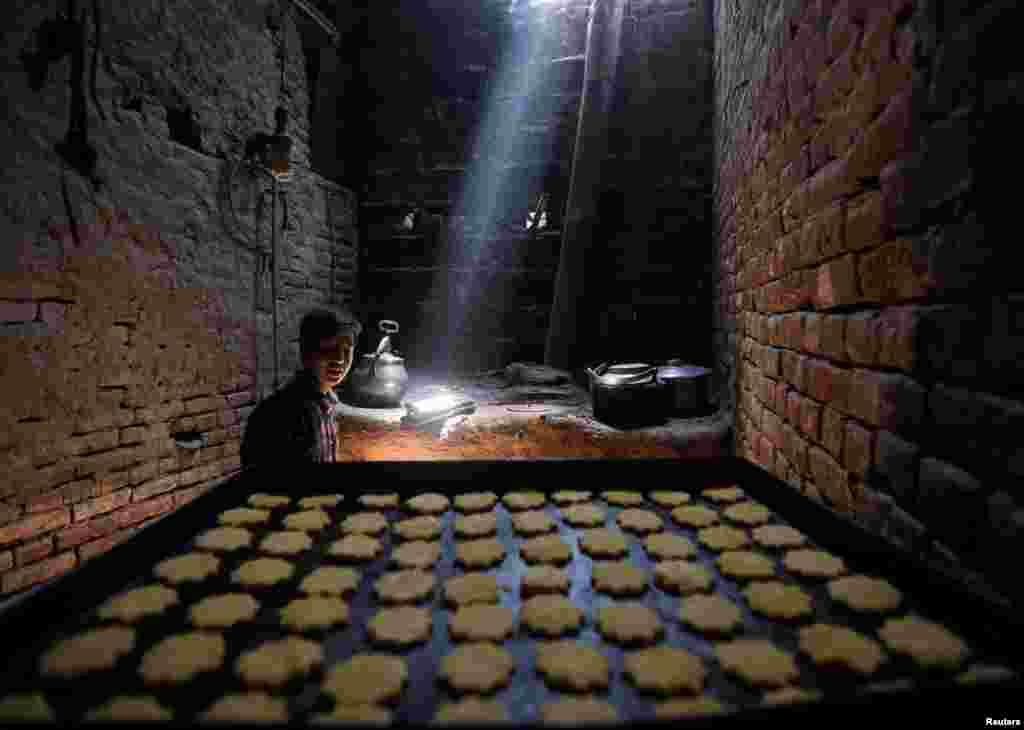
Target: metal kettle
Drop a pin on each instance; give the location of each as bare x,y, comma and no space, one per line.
380,379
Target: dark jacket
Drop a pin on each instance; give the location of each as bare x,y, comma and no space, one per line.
285,427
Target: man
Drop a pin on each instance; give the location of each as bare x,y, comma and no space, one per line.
297,423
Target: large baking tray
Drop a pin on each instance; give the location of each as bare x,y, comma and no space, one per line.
67,606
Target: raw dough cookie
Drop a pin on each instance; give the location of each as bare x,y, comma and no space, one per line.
26,708
224,610
669,499
863,593
314,612
572,666
331,580
602,542
683,707
981,673
778,536
275,662
262,572
570,496
138,603
416,554
365,523
244,516
478,667
693,515
310,520
546,549
286,542
224,538
682,576
814,563
187,567
425,527
748,513
471,588
125,708
746,564
356,547
471,711
827,644
404,586
429,503
619,578
247,707
543,579
475,501
90,651
479,553
479,525
550,615
724,495
639,520
319,501
757,661
665,670
711,614
579,711
354,715
181,657
790,695
628,622
777,600
366,679
532,522
722,537
666,546
523,500
584,515
379,501
400,625
623,499
929,644
269,501
482,622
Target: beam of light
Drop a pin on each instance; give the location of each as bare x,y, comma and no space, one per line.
497,161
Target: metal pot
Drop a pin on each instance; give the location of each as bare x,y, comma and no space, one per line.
380,379
688,387
627,395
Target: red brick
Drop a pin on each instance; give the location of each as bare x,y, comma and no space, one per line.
237,400
44,502
140,511
828,476
833,431
101,505
765,453
92,529
791,369
864,227
833,337
212,403
842,31
771,359
894,272
828,185
862,331
898,334
34,551
810,419
22,578
793,399
792,332
33,525
152,488
812,333
18,311
890,137
104,544
6,560
888,401
9,513
133,435
837,283
778,403
858,449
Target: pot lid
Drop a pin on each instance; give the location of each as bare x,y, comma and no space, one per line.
682,371
626,374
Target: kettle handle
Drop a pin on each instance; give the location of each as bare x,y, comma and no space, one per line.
388,326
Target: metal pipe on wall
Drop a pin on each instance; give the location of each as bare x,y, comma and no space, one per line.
570,336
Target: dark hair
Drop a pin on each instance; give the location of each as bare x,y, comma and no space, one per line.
319,324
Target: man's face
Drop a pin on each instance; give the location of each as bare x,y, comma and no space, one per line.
332,361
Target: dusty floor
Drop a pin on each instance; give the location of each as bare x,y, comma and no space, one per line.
514,420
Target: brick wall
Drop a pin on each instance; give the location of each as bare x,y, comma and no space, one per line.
130,306
860,257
